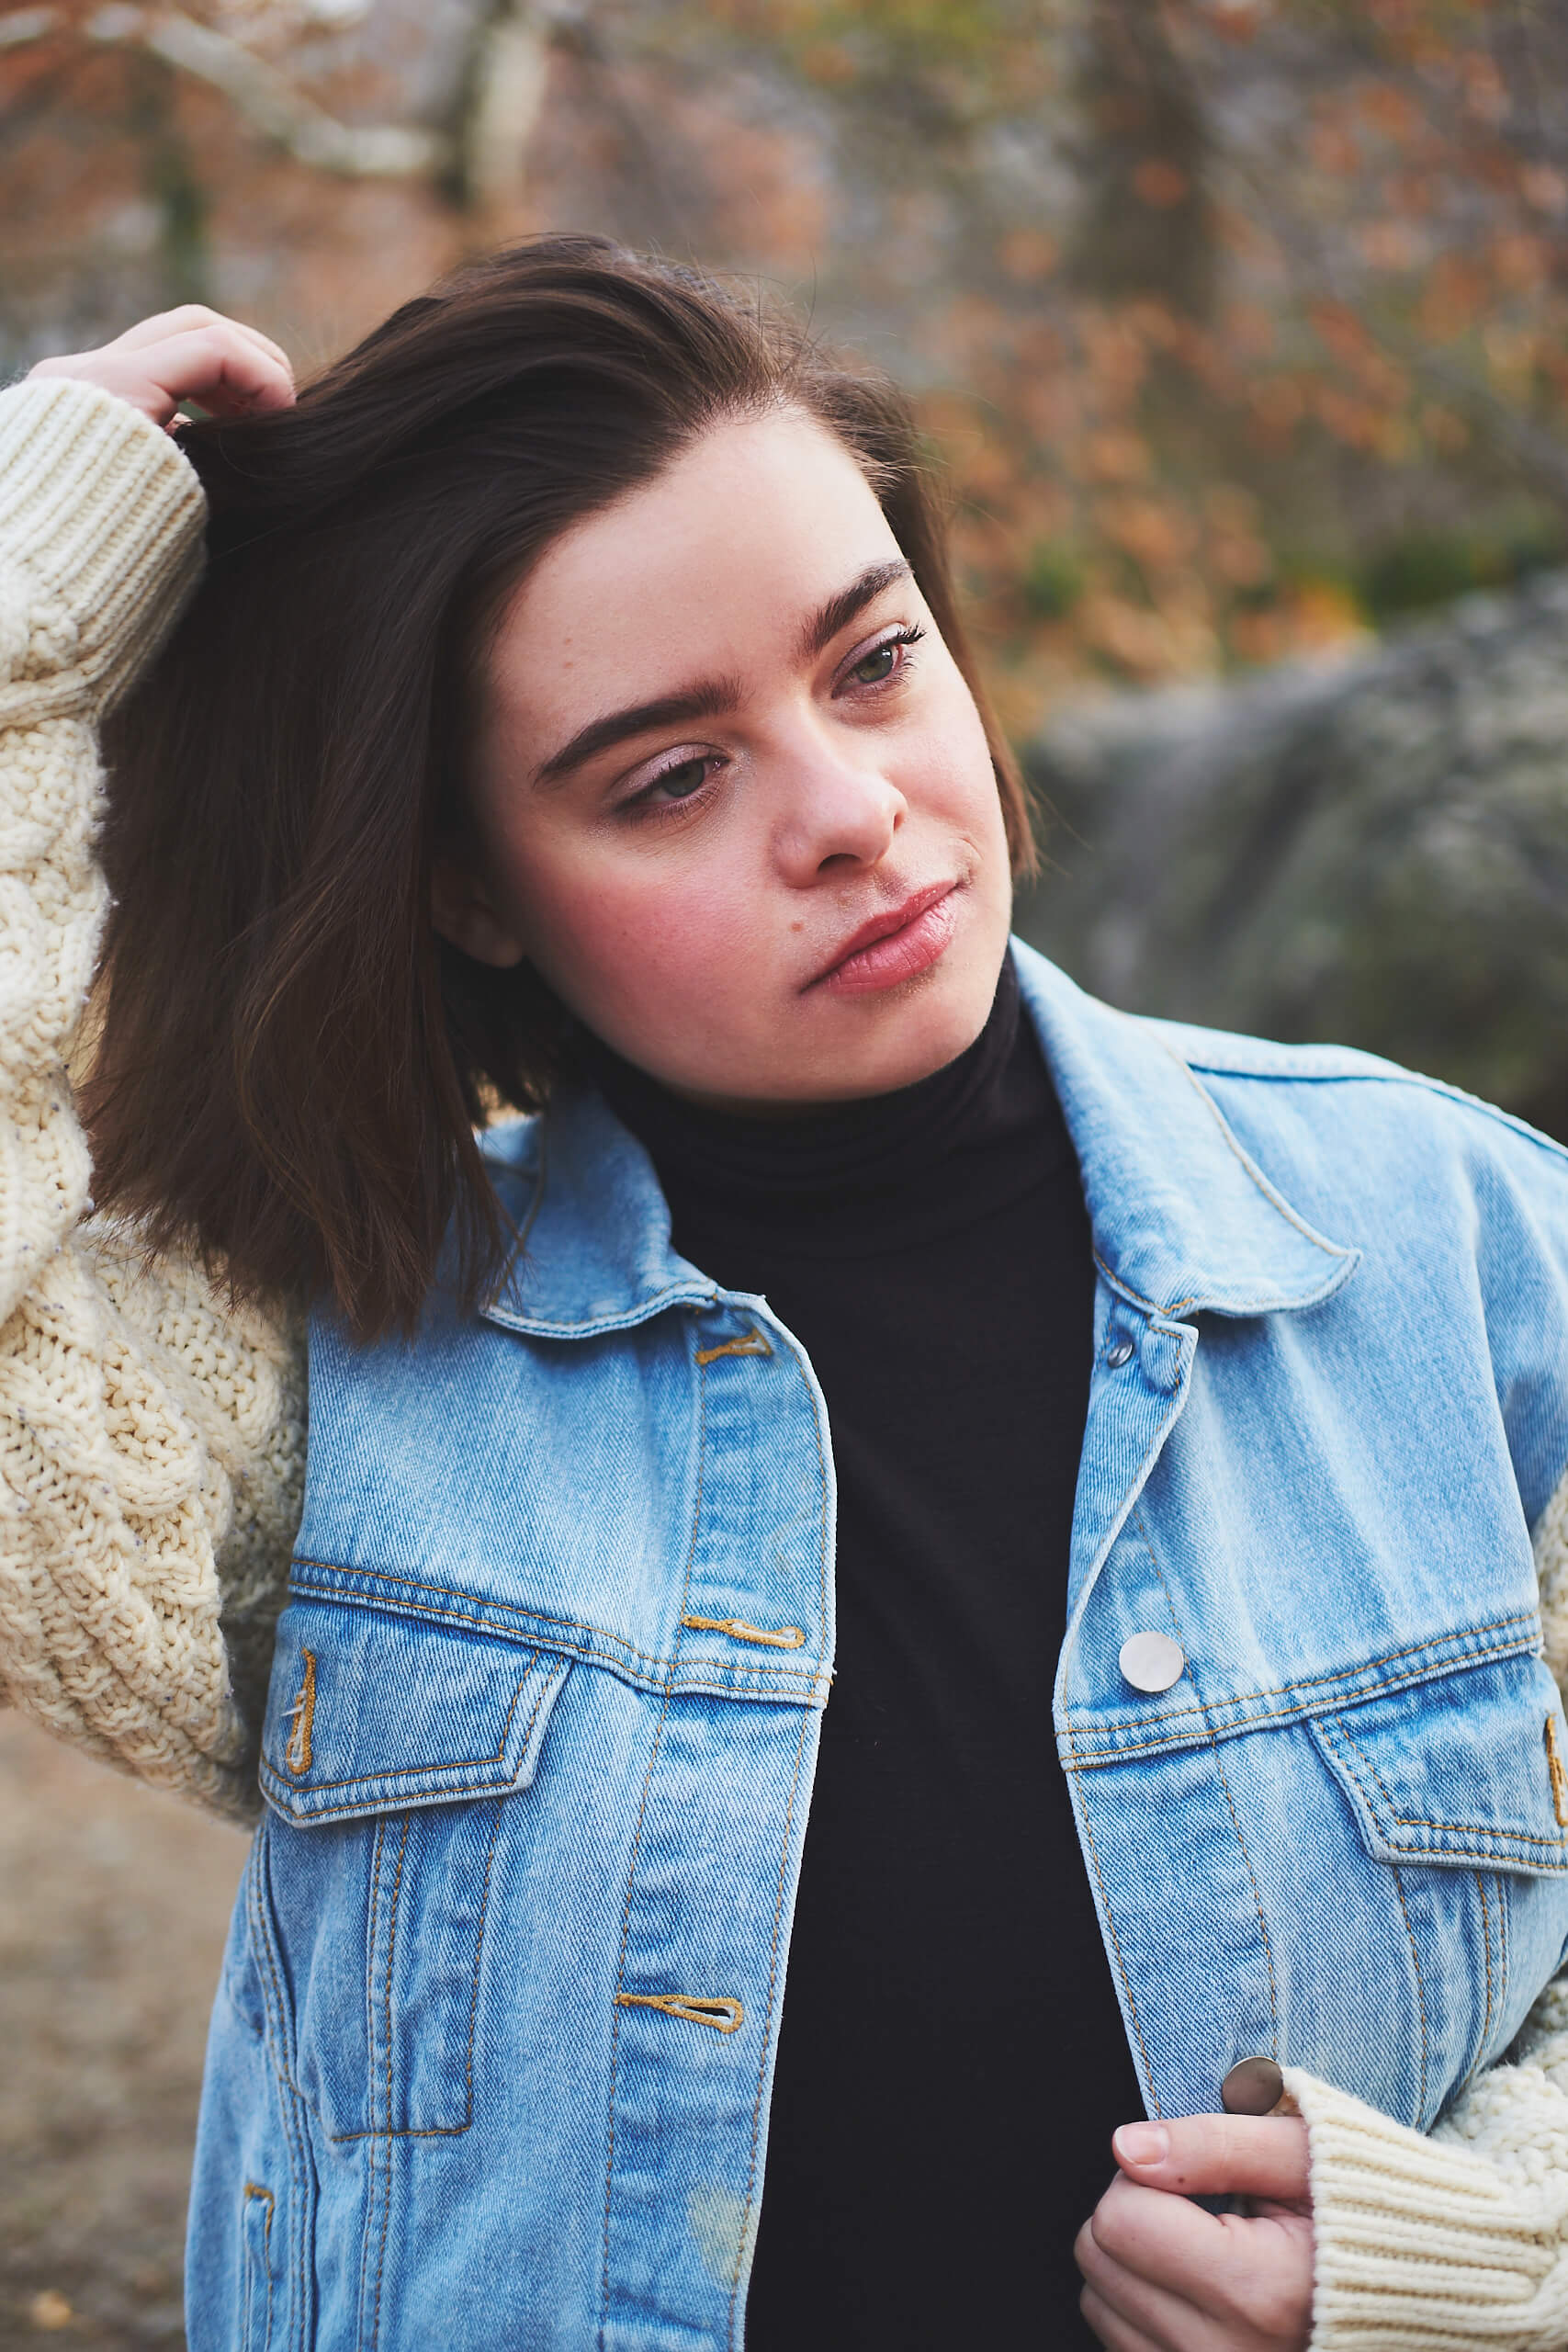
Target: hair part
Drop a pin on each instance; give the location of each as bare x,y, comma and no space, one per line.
291,1064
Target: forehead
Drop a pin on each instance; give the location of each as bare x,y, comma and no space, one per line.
710,567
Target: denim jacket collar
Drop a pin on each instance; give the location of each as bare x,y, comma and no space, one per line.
1183,1219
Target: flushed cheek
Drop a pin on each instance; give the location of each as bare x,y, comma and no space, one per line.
629,957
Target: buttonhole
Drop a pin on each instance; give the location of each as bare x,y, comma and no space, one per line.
725,2016
788,1637
301,1714
1558,1775
751,1343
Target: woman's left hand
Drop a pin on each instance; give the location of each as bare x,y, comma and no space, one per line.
1162,2274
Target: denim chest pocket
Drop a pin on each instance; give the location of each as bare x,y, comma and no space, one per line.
1458,1788
1466,1771
392,1750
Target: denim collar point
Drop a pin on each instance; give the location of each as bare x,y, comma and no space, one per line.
593,1252
1183,1218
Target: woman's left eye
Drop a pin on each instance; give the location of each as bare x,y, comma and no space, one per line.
883,662
874,667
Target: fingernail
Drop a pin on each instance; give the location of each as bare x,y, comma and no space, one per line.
1142,2143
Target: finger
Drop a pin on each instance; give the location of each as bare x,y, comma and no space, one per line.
190,318
1153,2313
1116,2334
224,370
1226,2264
1206,2155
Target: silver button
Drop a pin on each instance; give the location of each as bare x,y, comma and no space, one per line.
1119,1354
1151,1661
1253,2086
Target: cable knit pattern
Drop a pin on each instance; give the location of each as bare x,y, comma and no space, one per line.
152,1440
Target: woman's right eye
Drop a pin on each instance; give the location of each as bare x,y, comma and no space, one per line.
679,782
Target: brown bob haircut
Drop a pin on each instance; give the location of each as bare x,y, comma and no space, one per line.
291,1064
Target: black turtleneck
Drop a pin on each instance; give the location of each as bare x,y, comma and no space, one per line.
952,2060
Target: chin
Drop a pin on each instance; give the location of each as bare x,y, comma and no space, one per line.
939,1024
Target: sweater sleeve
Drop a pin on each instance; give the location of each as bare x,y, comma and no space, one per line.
151,1439
1460,2239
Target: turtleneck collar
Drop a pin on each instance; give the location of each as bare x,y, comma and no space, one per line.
886,1172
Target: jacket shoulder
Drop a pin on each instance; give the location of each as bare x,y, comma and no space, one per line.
1363,1088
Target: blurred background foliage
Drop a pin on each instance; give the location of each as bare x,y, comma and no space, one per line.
1242,326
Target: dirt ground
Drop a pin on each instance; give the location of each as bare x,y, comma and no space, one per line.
114,1905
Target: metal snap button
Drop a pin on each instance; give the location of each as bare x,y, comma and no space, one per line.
1119,1352
1151,1661
1253,2086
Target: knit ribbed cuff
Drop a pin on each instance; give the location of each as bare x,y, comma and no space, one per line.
105,514
1422,2246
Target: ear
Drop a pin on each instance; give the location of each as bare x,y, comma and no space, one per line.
463,912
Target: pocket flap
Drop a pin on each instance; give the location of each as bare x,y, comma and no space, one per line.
1469,1768
373,1713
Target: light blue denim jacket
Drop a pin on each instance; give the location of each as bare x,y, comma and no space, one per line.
490,2061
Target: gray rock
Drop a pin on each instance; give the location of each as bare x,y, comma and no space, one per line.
1375,854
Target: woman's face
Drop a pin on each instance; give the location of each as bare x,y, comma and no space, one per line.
732,798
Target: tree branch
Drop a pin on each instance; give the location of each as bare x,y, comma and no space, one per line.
266,99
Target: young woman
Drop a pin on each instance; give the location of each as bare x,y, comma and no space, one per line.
1137,1431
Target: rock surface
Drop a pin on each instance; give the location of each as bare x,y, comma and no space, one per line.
1375,854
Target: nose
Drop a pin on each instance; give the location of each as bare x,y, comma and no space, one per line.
837,812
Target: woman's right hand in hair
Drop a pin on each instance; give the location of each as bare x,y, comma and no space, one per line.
191,353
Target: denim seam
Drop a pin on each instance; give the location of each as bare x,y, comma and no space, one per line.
1486,1945
1340,1674
767,2028
1421,1995
1417,1821
665,1668
391,1957
406,1771
415,1583
381,2153
371,1930
1423,1084
784,1856
1178,1306
1140,1526
287,2096
1116,1947
1301,1712
636,1852
386,2151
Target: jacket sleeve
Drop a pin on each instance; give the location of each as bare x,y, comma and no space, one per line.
1460,2238
151,1440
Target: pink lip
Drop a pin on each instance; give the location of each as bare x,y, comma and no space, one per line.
896,945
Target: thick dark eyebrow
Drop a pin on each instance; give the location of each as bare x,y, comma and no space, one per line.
840,610
709,700
715,696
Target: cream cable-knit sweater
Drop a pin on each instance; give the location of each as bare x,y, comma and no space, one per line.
151,1440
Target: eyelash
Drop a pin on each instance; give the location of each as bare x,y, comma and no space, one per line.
644,806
